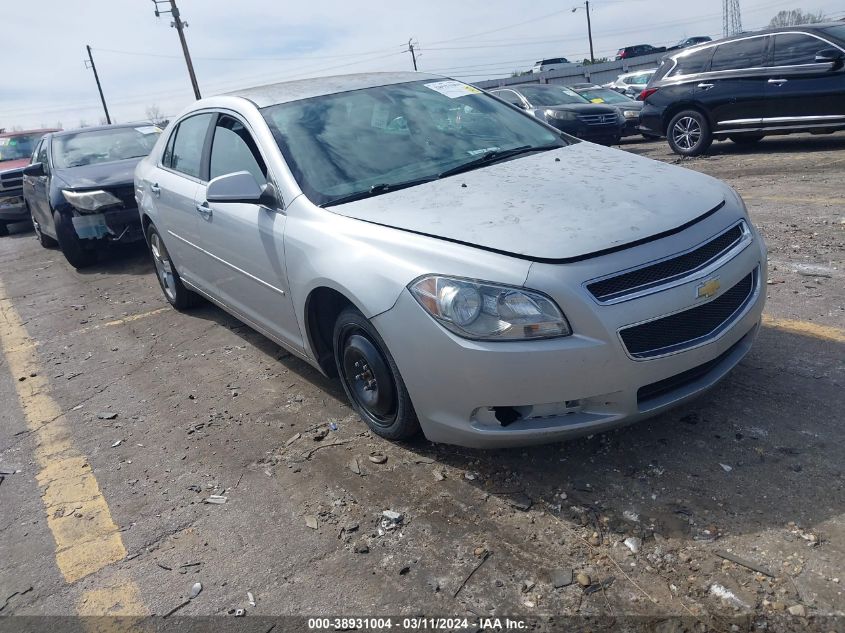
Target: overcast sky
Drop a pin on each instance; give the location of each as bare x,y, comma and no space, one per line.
240,43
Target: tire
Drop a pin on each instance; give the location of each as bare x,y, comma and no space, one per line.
371,379
78,254
45,240
650,137
689,133
4,230
171,284
746,139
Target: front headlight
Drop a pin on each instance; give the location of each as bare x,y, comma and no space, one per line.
490,312
562,115
91,200
630,114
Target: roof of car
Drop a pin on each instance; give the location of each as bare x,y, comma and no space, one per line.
95,128
27,132
287,91
739,36
584,86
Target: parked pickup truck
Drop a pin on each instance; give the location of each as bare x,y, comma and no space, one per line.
15,152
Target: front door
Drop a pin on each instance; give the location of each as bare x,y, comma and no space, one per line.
801,91
735,88
37,190
243,244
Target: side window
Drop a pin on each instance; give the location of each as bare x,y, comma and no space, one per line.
167,155
42,157
36,151
795,49
747,53
693,62
187,146
510,96
233,149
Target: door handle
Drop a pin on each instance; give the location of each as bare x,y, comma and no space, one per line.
778,81
204,210
155,189
705,86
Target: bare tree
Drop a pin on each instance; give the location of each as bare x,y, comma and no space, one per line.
795,17
155,116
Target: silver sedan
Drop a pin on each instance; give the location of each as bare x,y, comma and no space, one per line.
462,267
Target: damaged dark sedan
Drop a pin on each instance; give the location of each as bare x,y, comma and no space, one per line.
79,188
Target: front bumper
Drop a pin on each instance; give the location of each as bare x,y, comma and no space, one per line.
114,225
605,134
566,387
12,207
651,120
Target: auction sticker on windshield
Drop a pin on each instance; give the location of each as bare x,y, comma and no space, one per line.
453,89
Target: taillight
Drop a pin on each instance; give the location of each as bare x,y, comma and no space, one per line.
645,94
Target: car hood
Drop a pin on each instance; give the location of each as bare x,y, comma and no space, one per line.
559,205
8,165
114,174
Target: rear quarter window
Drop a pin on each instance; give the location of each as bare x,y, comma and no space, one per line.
693,62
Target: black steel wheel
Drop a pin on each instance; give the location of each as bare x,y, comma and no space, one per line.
371,379
171,284
689,133
45,240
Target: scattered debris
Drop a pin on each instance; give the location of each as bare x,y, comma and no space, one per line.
354,466
726,468
250,598
562,577
470,475
474,569
217,499
479,551
520,501
107,416
307,454
811,270
528,585
423,460
195,590
630,515
164,566
599,586
332,426
363,548
727,595
633,543
8,471
117,443
391,519
320,434
798,610
293,439
378,458
195,488
311,521
175,609
239,613
404,570
743,562
439,476
583,579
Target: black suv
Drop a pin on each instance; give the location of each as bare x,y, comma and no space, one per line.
743,88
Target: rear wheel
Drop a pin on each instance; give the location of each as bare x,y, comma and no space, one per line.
76,251
371,378
689,133
174,290
746,139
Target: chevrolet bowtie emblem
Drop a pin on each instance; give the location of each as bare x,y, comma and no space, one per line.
708,289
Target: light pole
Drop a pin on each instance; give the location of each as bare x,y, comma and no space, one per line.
589,28
180,25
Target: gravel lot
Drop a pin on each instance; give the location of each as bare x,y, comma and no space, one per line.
202,405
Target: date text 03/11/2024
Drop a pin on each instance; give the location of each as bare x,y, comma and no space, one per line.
415,624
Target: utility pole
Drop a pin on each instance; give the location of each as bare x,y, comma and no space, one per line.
589,29
411,50
90,61
180,28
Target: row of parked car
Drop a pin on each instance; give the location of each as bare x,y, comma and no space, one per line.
452,258
780,81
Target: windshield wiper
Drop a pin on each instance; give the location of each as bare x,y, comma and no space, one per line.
496,155
376,190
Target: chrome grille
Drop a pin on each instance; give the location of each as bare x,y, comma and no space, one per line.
12,179
597,119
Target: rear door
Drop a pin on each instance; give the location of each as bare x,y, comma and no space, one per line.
173,187
734,90
242,245
801,91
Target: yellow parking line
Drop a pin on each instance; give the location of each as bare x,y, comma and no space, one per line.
806,328
796,200
135,317
86,537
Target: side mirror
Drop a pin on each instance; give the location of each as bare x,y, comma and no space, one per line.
236,187
34,169
830,56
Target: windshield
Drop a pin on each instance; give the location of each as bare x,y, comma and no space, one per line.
604,95
103,146
375,138
550,95
17,147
